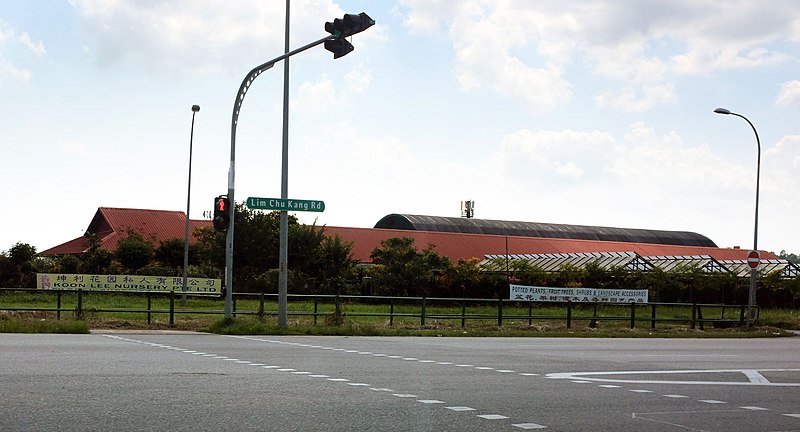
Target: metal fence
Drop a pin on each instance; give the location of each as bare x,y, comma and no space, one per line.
393,309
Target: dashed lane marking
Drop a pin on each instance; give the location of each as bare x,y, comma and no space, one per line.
400,395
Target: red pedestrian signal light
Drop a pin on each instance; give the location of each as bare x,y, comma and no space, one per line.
222,213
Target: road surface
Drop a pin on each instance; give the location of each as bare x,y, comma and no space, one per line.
195,382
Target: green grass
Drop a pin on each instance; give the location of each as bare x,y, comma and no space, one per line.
42,325
125,311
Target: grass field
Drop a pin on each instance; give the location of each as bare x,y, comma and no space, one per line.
28,311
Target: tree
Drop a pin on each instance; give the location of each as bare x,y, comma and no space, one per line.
402,270
17,266
95,260
255,251
792,258
134,252
170,252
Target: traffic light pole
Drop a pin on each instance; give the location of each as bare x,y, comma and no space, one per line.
335,43
237,105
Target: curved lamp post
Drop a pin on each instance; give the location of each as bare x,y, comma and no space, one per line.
195,109
751,299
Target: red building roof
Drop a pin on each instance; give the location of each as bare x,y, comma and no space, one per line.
464,246
112,224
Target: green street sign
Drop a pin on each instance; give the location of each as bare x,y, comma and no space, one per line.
256,203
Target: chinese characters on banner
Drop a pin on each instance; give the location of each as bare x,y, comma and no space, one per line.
57,281
585,295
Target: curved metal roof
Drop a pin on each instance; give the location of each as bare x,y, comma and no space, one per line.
545,230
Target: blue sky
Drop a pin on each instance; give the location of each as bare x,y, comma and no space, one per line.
580,112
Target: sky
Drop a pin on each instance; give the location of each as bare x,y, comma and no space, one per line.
587,112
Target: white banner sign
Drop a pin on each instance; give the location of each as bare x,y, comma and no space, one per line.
125,282
585,295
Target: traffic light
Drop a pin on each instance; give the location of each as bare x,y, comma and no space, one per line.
222,213
341,28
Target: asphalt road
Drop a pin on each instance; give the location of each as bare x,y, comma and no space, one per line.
191,382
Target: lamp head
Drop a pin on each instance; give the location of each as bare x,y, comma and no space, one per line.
195,108
722,111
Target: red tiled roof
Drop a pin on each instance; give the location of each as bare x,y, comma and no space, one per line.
112,224
464,246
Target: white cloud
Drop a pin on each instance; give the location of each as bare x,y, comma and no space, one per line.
632,99
318,96
358,79
16,48
523,49
789,94
197,35
550,156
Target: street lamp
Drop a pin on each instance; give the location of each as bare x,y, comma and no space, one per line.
751,298
195,109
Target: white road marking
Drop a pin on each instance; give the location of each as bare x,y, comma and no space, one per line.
754,408
492,416
460,408
430,401
711,401
675,396
754,377
529,426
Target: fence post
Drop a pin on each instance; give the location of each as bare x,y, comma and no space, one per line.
694,315
149,306
261,305
500,312
338,311
422,312
741,314
633,314
463,313
569,314
316,308
79,309
172,307
58,305
653,316
391,311
530,312
700,316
